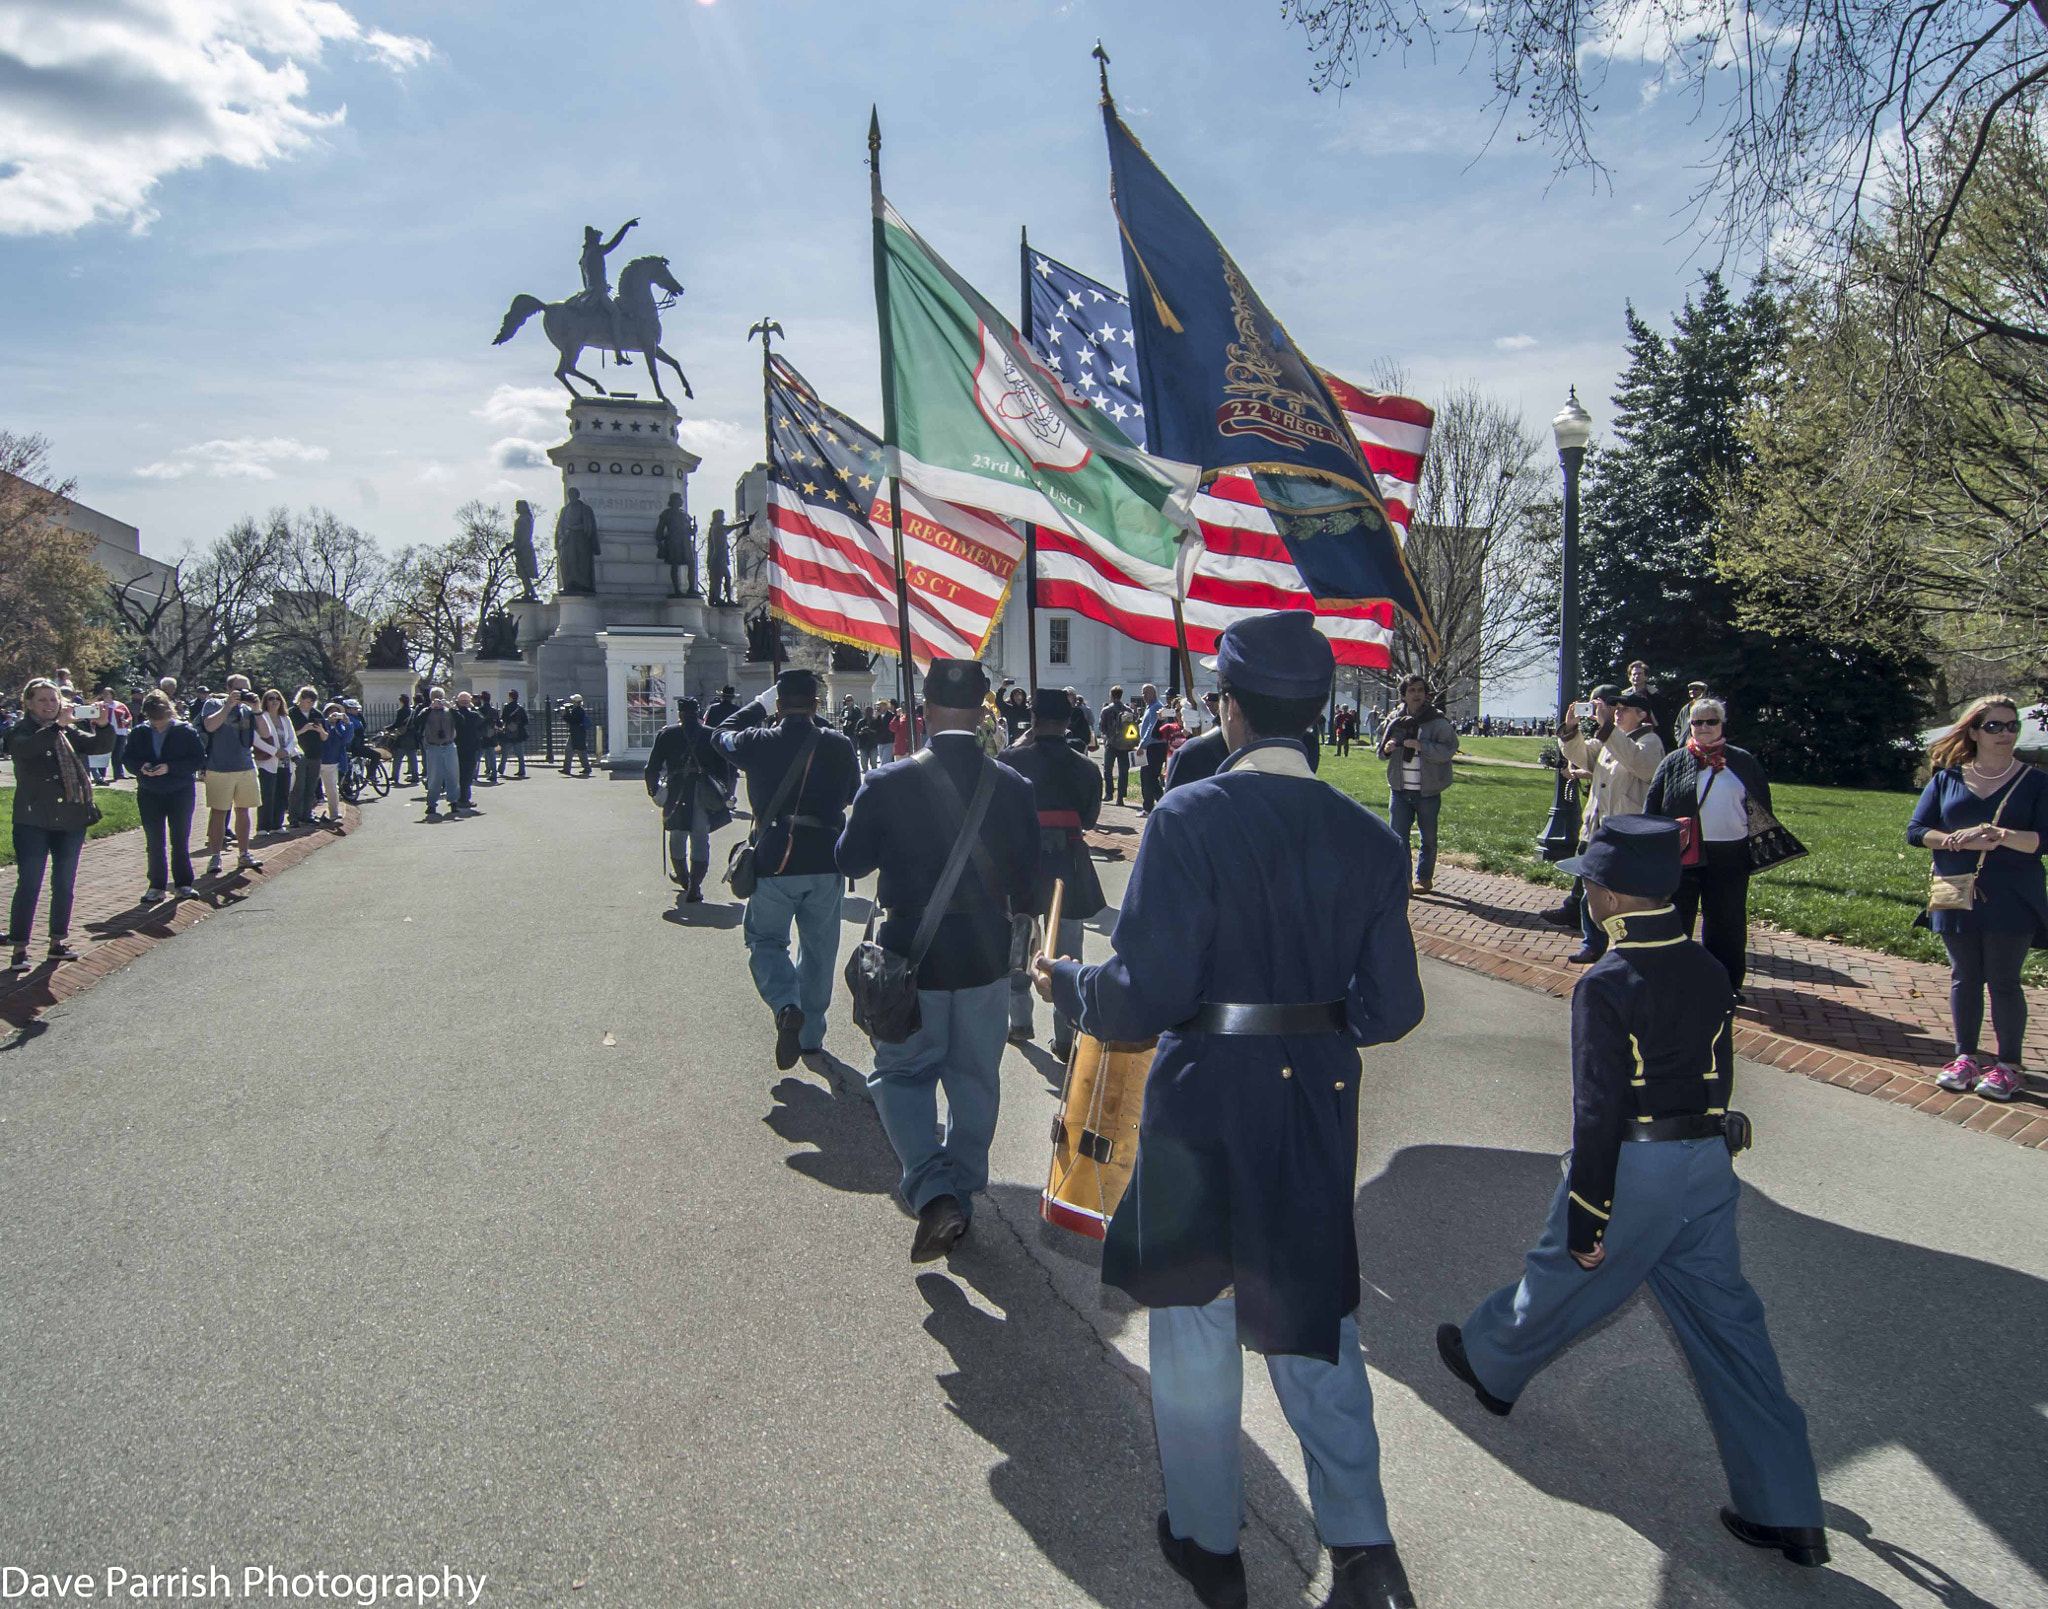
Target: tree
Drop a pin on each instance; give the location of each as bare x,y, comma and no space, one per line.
230,585
1810,100
441,592
52,594
162,633
1481,547
331,583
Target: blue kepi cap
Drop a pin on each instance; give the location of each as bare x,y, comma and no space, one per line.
1630,855
799,686
1281,655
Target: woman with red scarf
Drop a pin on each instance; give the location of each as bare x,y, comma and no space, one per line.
1707,784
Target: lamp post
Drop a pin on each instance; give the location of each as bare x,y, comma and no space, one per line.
1573,428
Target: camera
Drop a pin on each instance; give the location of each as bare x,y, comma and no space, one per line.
85,713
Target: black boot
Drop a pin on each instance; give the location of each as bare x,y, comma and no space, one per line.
1368,1578
1218,1578
1802,1544
696,894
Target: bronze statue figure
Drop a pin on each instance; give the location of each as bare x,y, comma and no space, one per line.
717,558
592,318
675,541
576,546
497,635
525,562
597,285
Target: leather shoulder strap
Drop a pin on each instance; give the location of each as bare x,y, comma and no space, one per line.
792,779
969,840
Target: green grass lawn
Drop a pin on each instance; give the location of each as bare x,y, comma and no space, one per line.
117,814
1859,885
1503,748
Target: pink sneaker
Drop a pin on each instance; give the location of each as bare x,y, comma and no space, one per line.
2001,1083
1961,1074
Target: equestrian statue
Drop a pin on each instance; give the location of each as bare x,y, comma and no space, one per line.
592,318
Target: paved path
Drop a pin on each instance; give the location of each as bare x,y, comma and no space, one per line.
438,1205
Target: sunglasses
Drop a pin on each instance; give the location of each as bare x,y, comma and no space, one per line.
1995,727
1708,721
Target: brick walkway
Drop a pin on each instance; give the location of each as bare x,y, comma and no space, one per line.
112,930
1867,1022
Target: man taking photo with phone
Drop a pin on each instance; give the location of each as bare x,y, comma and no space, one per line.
228,723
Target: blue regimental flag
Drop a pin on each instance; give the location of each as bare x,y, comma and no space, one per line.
1226,388
1082,329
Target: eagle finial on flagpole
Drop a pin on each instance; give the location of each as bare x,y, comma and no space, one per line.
1102,66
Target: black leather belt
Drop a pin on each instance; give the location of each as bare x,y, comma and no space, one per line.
1730,1126
803,821
1221,1017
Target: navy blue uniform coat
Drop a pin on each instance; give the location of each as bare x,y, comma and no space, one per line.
675,748
1065,782
765,754
900,827
1257,887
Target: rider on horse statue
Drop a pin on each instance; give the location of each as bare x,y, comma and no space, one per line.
597,286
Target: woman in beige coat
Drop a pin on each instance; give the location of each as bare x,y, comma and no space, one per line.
1616,759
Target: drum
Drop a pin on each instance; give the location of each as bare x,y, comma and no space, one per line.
1095,1135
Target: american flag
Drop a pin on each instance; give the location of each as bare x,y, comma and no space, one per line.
831,552
1082,330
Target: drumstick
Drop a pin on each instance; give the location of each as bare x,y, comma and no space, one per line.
1052,919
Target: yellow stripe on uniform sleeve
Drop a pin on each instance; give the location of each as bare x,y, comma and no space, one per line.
1582,1201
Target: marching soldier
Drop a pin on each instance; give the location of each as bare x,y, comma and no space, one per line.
699,778
800,778
1069,800
904,823
1264,937
1651,1192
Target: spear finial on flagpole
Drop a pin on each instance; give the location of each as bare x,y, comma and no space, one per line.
1102,66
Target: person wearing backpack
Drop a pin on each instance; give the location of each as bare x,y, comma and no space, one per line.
801,775
699,778
905,824
1119,737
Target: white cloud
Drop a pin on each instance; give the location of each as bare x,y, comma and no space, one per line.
1514,343
243,458
516,452
100,99
526,410
709,438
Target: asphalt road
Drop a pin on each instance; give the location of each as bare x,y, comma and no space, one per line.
439,1205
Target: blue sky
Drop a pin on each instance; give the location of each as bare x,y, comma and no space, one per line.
254,251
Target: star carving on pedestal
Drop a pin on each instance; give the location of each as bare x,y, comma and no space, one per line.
617,426
636,427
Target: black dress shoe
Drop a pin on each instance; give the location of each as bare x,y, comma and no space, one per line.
1218,1578
1450,1346
1560,916
1802,1544
789,1031
1368,1578
939,1228
1584,956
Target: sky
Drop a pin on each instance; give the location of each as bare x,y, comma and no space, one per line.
253,252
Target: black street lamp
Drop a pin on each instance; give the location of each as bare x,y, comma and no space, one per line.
1573,428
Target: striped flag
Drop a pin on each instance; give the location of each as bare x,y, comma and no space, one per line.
831,552
1082,330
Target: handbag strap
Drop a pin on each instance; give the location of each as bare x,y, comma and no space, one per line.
968,840
792,779
1996,816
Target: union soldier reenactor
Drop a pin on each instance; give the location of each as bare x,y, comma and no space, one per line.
1069,802
1650,1194
1264,938
699,778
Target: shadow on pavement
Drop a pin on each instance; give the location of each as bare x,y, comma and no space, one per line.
848,1151
1878,1340
705,914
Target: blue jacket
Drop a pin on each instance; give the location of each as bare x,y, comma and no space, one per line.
1254,886
689,754
183,750
905,827
2012,893
765,753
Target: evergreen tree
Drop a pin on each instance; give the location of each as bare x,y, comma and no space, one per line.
1811,706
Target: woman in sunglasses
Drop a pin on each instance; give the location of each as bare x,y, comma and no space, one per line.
1705,782
1983,814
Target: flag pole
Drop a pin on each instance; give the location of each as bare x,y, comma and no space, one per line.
903,661
768,329
1030,529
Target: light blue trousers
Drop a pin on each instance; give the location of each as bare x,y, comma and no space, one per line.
441,773
1197,1400
1022,995
1674,1229
812,903
960,1046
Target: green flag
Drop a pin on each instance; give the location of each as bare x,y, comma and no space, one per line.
971,417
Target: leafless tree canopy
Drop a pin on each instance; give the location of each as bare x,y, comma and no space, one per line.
1806,100
1482,546
441,592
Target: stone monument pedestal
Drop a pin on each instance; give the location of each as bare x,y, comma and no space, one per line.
380,689
496,677
840,685
647,669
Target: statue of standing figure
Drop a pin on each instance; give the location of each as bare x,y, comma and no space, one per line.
675,540
576,545
718,557
525,562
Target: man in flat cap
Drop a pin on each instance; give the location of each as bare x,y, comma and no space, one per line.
905,822
1069,794
1264,938
801,775
1649,1195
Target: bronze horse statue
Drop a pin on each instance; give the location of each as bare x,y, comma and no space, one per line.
576,324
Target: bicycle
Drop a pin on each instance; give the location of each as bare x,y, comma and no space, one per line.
364,771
